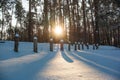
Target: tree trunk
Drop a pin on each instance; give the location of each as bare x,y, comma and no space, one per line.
84,20
30,23
46,23
2,24
96,31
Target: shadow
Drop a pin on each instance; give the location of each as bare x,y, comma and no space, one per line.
30,70
65,57
96,64
25,48
100,55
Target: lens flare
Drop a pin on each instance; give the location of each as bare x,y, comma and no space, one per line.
58,30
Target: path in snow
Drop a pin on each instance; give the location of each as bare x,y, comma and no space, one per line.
61,65
66,67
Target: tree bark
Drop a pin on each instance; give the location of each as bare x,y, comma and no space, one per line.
84,20
30,23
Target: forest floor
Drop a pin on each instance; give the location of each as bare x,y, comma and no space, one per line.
101,64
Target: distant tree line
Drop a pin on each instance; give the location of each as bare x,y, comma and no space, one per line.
88,21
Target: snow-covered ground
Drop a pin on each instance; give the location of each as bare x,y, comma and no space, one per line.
101,64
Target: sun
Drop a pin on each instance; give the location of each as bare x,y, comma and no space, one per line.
58,30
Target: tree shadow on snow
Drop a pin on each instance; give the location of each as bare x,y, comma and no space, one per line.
65,57
95,64
30,71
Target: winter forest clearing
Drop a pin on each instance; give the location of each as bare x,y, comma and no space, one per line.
87,64
59,39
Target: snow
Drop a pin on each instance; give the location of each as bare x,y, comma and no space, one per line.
16,35
101,64
35,37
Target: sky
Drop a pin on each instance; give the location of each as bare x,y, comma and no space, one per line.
25,6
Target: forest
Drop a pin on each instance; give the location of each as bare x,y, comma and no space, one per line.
87,21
